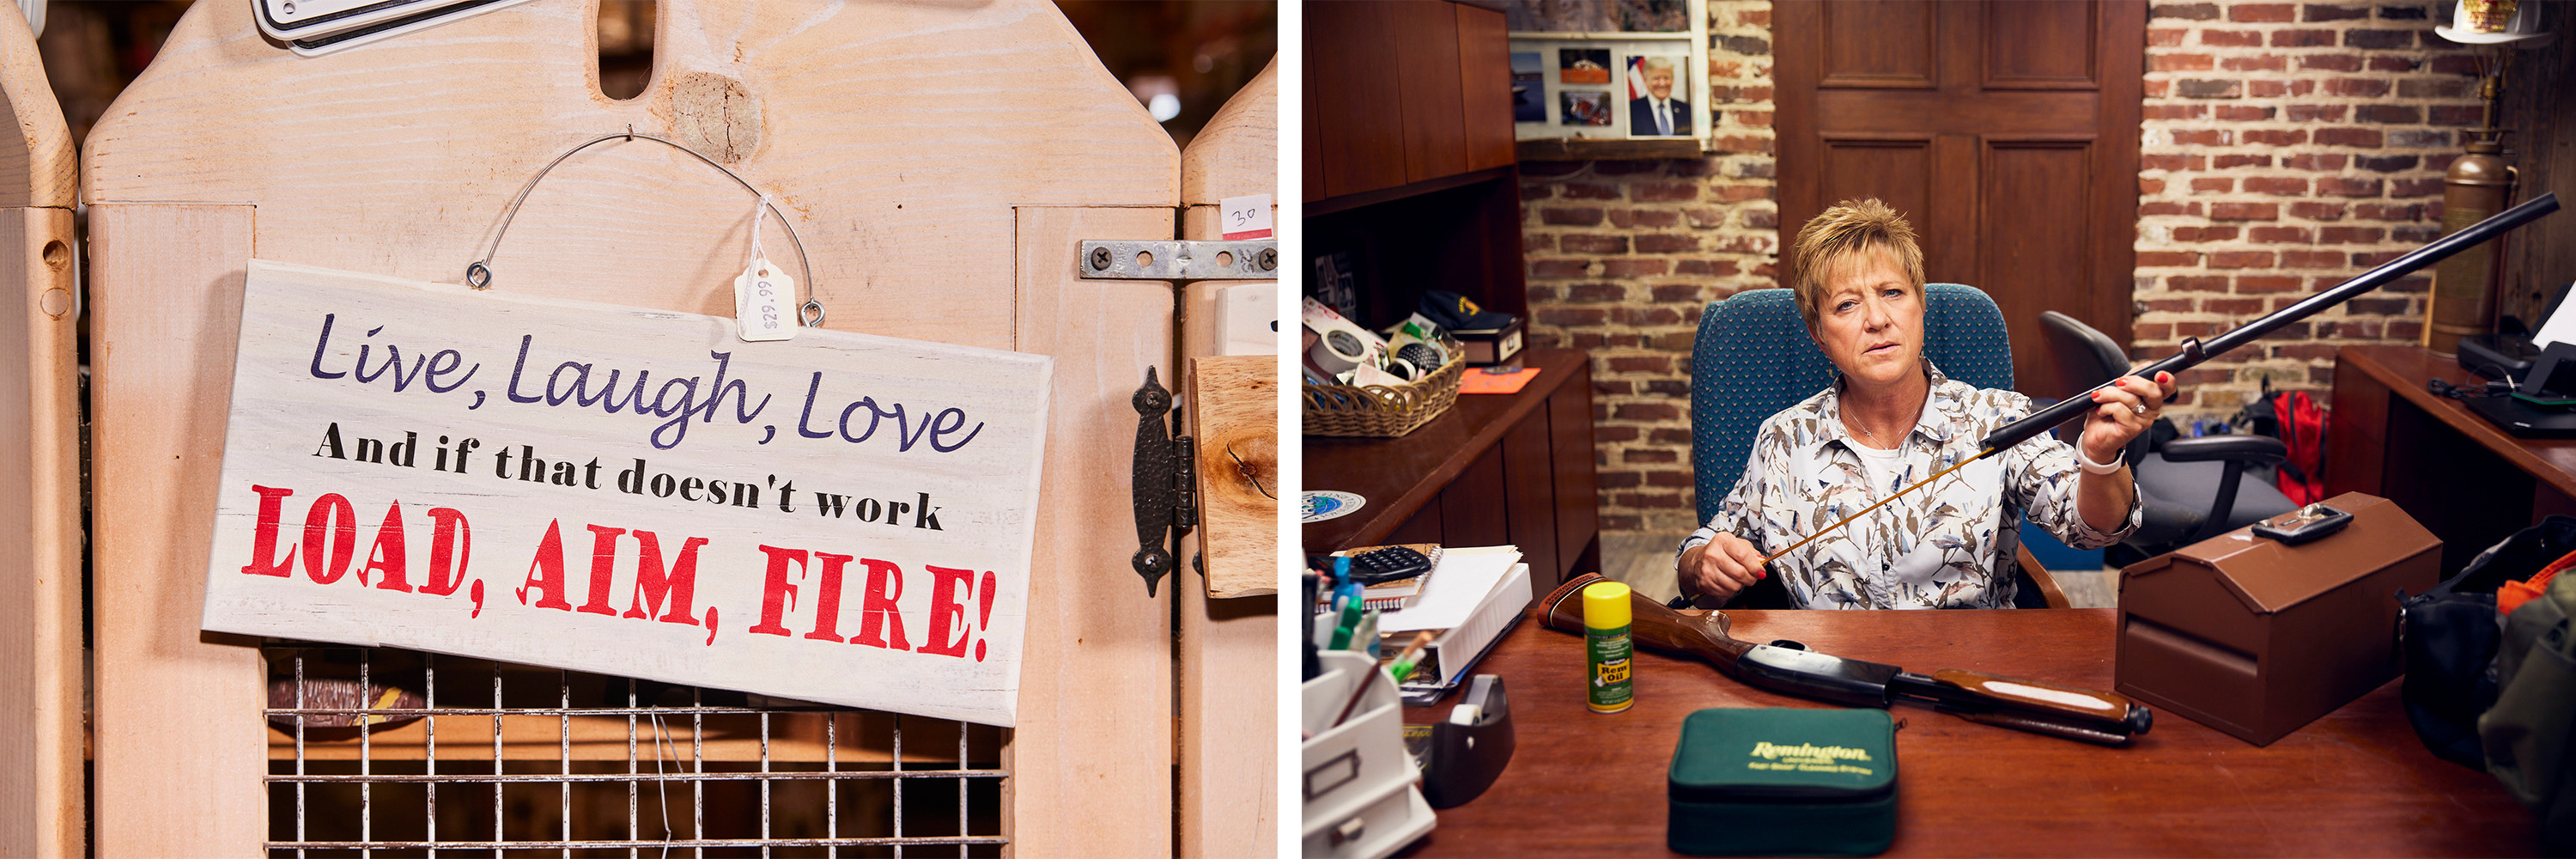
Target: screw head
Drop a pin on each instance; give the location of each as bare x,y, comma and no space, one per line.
1269,259
1100,259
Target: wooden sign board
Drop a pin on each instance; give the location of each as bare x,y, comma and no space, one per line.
839,518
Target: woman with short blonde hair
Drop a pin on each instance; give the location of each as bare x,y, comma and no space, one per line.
1889,420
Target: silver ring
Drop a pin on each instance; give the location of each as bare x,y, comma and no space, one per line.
2137,408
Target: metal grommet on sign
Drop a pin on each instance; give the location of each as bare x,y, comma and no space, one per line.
478,275
811,314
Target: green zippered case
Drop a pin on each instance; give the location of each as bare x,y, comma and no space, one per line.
1783,781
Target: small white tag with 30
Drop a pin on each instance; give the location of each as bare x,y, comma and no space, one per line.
761,297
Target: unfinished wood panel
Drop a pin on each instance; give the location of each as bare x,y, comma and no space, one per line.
1485,81
969,110
41,785
165,296
37,165
1236,423
1427,88
1237,153
42,791
1229,736
1091,760
1227,656
906,211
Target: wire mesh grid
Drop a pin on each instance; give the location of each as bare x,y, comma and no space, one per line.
538,760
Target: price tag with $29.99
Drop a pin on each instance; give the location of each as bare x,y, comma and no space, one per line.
762,298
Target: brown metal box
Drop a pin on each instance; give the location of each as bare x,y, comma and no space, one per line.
2255,638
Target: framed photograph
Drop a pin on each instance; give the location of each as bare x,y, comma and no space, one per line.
1658,96
1611,57
1583,65
1584,107
1529,88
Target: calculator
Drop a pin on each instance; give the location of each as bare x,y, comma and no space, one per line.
1390,563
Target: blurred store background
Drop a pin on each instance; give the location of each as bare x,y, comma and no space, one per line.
1182,58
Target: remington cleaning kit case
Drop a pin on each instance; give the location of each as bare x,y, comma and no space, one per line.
1783,781
2257,638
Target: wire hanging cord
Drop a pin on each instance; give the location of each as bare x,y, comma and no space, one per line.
478,274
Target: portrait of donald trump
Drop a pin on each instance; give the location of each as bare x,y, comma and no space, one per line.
1654,110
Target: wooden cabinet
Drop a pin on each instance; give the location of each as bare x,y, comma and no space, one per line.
1496,469
1403,92
1410,176
1408,163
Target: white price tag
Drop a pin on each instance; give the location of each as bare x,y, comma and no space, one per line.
1245,217
761,299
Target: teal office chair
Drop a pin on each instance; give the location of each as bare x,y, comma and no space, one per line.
1753,358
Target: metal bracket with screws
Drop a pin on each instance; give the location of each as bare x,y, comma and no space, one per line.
1257,259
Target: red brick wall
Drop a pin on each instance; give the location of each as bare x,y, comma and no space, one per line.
2287,146
1624,254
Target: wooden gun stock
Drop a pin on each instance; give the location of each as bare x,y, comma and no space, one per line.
2108,718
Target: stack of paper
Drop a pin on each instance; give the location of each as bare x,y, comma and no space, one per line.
1473,597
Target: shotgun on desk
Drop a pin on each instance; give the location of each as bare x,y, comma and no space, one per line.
2108,718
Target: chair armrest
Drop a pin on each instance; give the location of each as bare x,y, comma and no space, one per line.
2039,578
2247,448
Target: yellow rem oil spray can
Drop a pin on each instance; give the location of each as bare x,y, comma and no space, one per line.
1607,652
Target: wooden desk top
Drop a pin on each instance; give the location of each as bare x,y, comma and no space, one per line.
2404,369
2355,782
1399,475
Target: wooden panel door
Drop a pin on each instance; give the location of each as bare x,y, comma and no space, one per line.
2007,132
947,208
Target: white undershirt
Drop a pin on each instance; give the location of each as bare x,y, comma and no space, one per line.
1881,465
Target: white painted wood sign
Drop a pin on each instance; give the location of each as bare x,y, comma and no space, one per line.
840,518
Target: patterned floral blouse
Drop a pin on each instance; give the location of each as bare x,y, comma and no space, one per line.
1951,545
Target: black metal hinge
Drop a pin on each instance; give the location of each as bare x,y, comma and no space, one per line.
1165,483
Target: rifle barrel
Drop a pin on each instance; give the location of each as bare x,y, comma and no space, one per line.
2195,352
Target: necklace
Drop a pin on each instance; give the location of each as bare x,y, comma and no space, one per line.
1855,423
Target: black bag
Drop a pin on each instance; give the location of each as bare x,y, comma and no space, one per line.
2450,636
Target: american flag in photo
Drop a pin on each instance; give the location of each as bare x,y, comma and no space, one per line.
1636,78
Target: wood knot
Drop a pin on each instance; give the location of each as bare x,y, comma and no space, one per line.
715,115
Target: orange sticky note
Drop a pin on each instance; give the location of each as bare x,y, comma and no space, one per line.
1477,381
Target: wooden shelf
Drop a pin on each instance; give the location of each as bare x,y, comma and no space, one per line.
1586,149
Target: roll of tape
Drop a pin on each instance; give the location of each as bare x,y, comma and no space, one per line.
1421,355
1338,351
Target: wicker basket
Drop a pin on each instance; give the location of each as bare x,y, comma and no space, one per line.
1382,411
